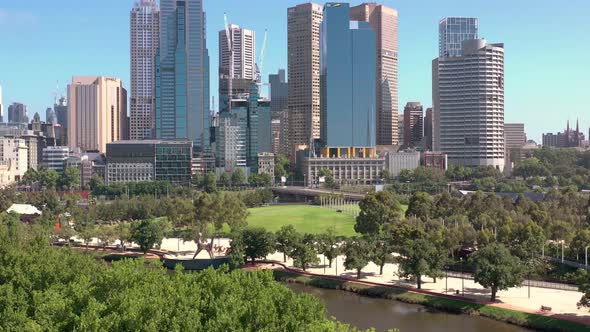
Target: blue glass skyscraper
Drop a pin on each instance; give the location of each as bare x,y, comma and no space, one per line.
182,73
347,79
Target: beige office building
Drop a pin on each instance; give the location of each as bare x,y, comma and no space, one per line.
304,73
385,23
97,112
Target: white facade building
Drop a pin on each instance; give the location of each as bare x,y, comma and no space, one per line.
54,157
468,98
13,158
145,40
395,162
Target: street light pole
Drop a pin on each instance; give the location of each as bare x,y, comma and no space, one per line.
586,258
462,278
562,246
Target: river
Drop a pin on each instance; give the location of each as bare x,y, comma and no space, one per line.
365,312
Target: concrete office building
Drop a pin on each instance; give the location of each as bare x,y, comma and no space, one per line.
275,127
54,157
452,32
182,73
147,160
349,165
347,80
468,110
89,164
514,134
231,138
279,92
428,129
17,113
97,112
384,21
304,74
413,124
395,162
243,49
145,40
50,116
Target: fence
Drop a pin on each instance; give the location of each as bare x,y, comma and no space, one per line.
526,283
340,205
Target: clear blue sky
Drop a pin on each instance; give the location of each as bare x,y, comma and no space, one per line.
547,46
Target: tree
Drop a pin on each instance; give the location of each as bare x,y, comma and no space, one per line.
377,209
531,167
70,179
238,178
420,206
329,181
419,257
497,269
358,254
304,254
146,233
87,233
31,176
328,245
48,179
225,180
123,233
106,234
383,248
258,242
210,182
281,166
287,238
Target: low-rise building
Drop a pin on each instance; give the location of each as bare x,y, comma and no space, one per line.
349,165
398,161
266,164
435,160
14,156
54,157
136,161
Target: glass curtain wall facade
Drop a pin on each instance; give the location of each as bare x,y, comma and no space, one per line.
182,73
452,31
347,79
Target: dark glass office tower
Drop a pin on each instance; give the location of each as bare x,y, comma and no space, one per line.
182,73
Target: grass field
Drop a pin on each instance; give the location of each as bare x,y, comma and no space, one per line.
305,219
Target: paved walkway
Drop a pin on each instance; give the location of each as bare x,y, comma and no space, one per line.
563,303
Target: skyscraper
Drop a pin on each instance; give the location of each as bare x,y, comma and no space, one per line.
50,116
182,73
61,112
17,113
347,71
452,31
428,129
304,73
1,106
468,105
97,111
413,124
145,40
279,92
242,56
384,21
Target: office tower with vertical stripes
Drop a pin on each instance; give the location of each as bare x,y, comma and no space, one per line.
145,39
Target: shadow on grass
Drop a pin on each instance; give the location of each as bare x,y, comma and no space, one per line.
535,321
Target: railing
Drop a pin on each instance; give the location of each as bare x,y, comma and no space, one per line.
526,283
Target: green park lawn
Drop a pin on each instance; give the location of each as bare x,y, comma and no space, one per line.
305,219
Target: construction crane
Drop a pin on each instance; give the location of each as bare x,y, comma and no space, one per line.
231,60
260,63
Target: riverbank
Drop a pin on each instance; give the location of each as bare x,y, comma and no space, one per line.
524,319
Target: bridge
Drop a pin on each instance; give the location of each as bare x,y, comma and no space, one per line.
304,194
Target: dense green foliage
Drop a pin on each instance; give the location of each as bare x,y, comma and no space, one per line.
496,268
49,289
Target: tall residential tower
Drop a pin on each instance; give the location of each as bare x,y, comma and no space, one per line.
384,21
304,73
242,56
182,73
145,39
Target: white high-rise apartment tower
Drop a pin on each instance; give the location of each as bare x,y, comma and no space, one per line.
468,104
145,40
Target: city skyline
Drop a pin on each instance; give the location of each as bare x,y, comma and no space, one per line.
55,59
